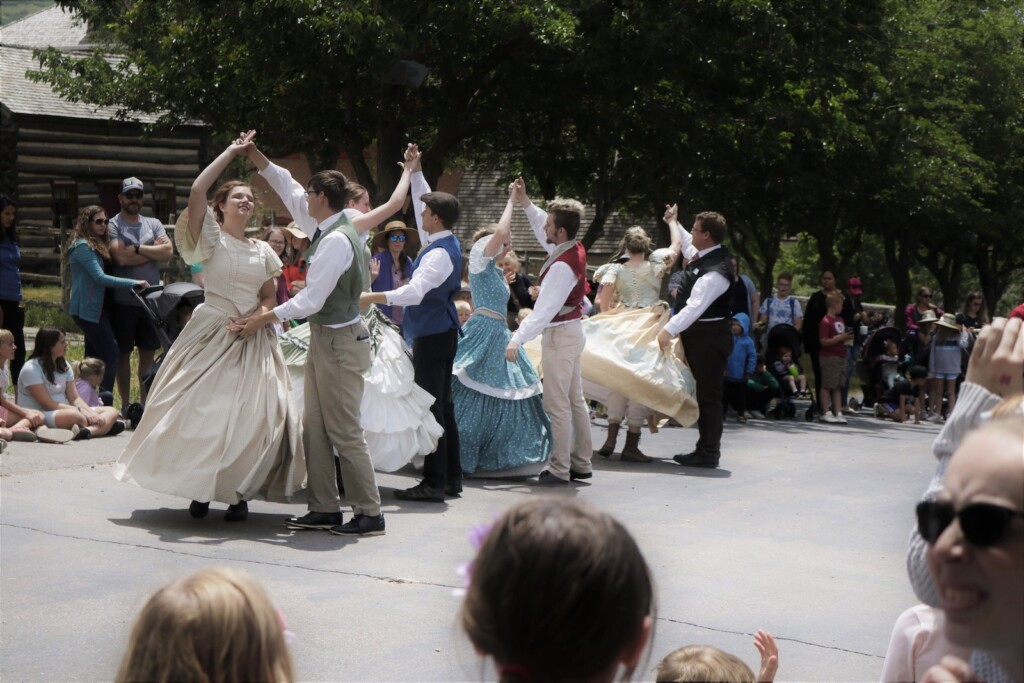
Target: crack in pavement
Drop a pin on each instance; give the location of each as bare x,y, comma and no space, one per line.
174,551
392,579
788,640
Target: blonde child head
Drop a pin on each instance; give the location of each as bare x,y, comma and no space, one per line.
521,315
463,309
89,369
695,663
216,625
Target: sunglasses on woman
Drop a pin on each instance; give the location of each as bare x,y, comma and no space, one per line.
396,238
100,221
982,524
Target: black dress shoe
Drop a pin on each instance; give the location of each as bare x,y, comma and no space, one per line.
697,459
361,525
237,512
422,493
315,520
574,475
545,478
453,489
197,509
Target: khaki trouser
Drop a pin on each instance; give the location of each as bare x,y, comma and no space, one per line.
334,392
562,348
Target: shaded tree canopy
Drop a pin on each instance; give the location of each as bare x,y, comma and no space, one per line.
895,123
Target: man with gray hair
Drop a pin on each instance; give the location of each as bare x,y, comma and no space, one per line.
556,315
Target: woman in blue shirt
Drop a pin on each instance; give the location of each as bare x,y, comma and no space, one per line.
88,249
13,316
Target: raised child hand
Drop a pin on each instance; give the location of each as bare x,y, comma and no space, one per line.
765,644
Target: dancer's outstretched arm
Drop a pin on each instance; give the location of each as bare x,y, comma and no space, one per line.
205,180
420,187
503,235
376,216
538,217
291,192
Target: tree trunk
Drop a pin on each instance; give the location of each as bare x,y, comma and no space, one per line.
899,257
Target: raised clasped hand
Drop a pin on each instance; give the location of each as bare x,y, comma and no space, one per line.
671,213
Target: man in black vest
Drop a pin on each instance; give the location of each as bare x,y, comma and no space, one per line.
704,306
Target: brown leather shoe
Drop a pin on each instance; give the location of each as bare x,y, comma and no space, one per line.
631,452
609,445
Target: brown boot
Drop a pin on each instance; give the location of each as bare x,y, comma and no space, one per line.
609,444
631,452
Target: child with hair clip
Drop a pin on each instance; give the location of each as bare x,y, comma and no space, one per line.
559,591
16,422
216,625
705,664
88,376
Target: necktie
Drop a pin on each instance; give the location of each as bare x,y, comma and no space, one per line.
316,235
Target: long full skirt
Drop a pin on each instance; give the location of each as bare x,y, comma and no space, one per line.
220,424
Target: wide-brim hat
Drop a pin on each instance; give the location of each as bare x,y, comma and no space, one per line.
928,317
412,237
949,320
295,231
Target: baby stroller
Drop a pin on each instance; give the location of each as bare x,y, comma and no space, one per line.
868,368
164,306
779,336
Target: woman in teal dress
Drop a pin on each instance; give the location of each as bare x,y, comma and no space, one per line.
503,429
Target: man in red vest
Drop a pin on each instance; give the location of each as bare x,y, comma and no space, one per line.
557,314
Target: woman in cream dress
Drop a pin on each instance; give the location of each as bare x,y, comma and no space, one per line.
622,356
220,424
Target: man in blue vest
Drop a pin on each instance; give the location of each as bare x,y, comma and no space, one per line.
704,320
339,350
433,325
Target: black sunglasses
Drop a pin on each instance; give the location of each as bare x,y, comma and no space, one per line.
100,221
133,195
983,524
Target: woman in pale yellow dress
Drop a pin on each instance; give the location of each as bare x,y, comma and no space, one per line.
622,358
220,423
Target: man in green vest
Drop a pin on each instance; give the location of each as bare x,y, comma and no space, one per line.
339,351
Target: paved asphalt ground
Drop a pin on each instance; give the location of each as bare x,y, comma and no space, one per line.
802,532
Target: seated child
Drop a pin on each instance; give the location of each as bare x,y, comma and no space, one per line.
904,398
88,376
464,310
788,373
739,367
16,422
762,387
703,664
559,591
216,625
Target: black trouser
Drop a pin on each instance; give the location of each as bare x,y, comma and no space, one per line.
432,360
759,400
735,396
14,320
707,346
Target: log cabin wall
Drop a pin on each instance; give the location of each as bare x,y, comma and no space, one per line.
63,165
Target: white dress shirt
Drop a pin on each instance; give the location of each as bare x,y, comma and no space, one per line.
435,267
708,287
333,256
331,260
558,284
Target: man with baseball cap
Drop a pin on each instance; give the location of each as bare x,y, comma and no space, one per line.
137,245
